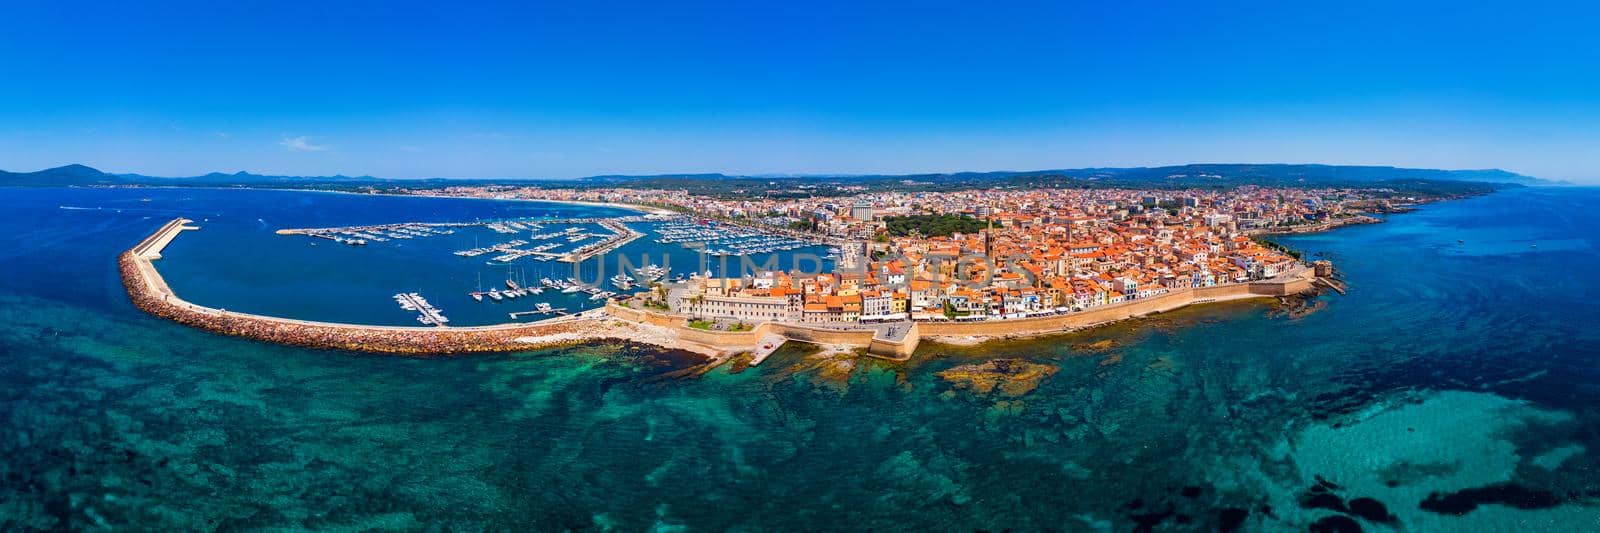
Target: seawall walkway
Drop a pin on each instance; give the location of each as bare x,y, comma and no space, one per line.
898,341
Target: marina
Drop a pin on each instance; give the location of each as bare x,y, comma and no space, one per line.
454,262
361,235
406,230
504,252
725,240
714,240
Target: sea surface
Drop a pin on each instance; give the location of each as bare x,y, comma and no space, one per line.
1454,388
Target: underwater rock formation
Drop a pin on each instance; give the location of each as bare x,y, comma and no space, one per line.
1013,377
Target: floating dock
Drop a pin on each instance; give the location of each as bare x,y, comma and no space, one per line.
520,314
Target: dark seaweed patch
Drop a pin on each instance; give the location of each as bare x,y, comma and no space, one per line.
1464,501
1149,521
1371,510
1324,501
1231,519
1336,524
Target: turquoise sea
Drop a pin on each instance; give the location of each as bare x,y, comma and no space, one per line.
1453,388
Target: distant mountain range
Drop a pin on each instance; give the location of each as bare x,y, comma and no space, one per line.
1203,175
81,175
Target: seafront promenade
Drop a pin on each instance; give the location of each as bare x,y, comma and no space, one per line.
899,340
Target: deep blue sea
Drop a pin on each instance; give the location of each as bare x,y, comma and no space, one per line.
1454,388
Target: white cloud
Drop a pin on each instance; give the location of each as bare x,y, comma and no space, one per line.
301,144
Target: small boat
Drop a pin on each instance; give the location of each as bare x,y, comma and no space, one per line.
495,295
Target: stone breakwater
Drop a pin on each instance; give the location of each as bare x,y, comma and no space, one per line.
149,292
348,337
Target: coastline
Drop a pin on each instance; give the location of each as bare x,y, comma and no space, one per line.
630,207
976,340
903,346
617,323
1364,217
1330,225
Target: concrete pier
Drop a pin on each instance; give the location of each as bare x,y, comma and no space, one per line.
769,344
624,235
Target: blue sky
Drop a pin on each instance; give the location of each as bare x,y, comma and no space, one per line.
457,89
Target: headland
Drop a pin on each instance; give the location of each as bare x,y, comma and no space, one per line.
632,320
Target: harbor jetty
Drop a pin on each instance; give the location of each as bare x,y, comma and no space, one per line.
506,252
150,293
621,234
